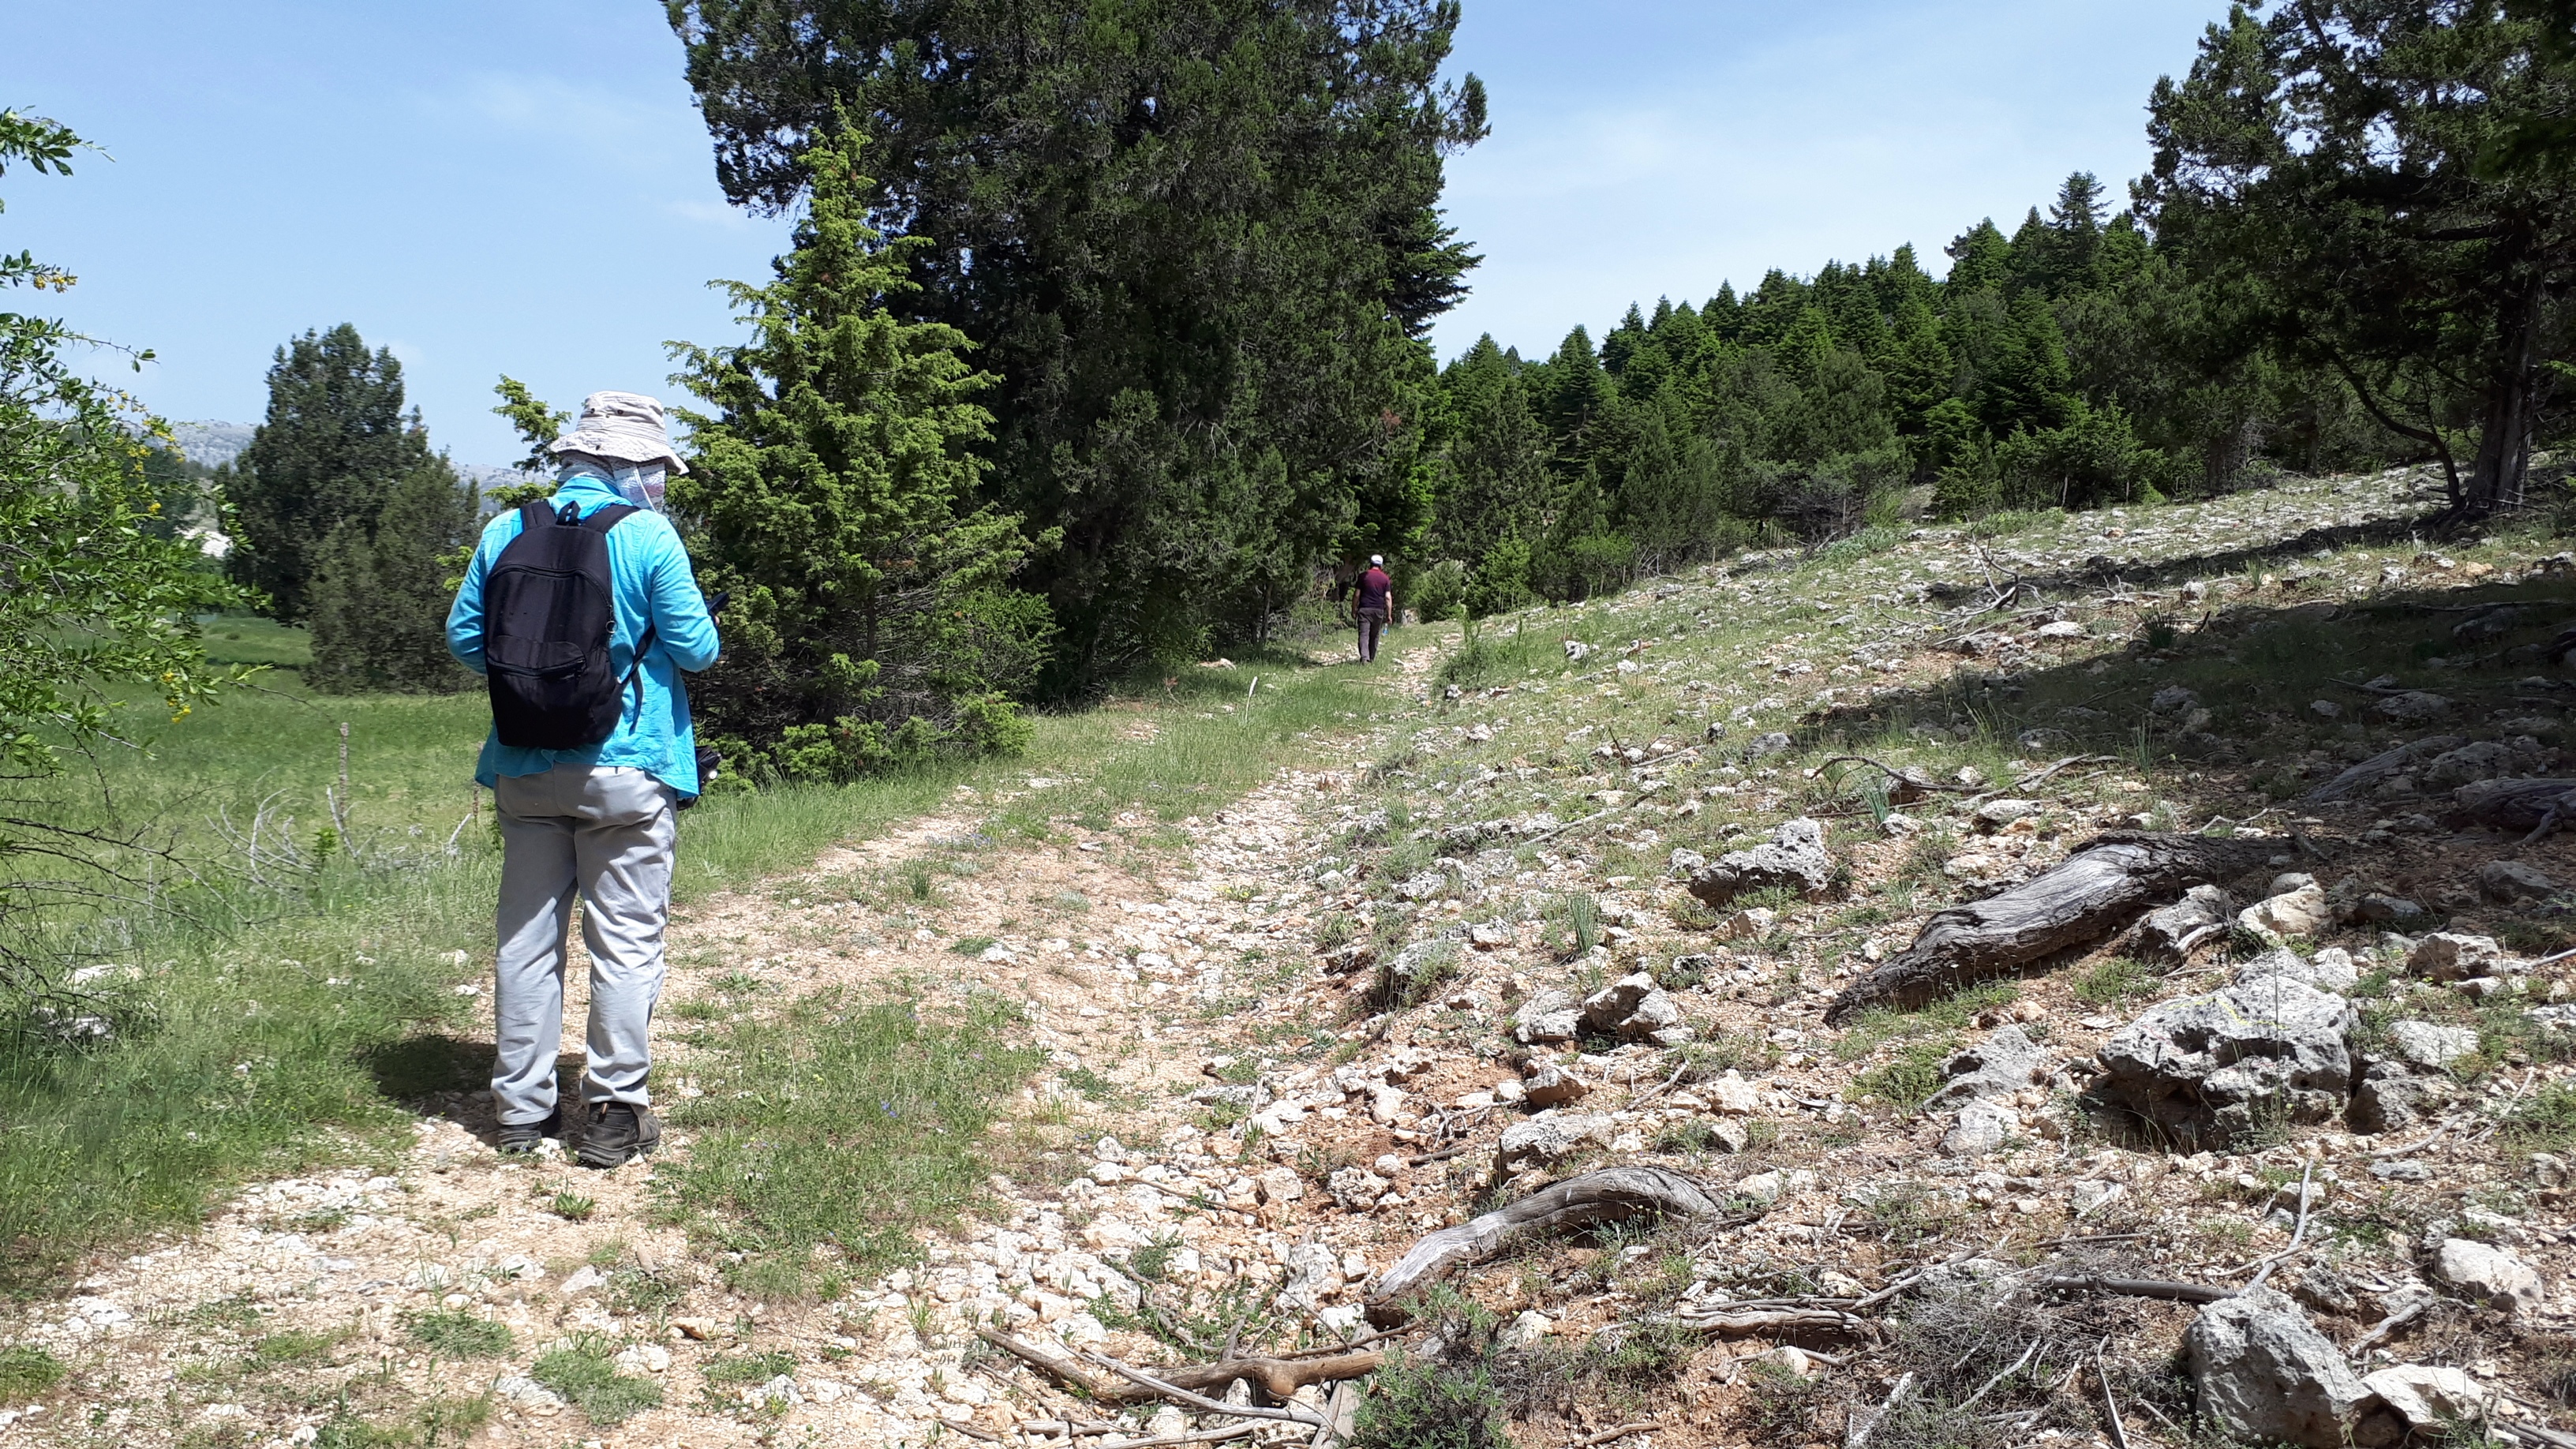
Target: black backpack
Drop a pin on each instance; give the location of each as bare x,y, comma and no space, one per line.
548,608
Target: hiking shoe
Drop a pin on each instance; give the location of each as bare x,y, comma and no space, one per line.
618,1131
523,1137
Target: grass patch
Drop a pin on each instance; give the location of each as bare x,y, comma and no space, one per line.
749,1368
26,1370
457,1335
572,1207
585,1373
2547,1122
2119,979
847,1123
278,1350
1907,1081
1950,1014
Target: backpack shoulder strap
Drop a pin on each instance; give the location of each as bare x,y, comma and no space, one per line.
535,514
609,517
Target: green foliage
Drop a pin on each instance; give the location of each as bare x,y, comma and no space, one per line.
335,443
1427,1405
1197,242
2548,1121
97,601
26,1369
457,1334
2336,170
749,1368
874,624
380,592
585,1373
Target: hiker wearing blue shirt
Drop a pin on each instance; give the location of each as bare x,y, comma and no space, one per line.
582,612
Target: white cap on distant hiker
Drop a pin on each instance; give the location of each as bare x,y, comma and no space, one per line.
1377,560
621,427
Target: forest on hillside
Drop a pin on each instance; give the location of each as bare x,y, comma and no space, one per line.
1100,346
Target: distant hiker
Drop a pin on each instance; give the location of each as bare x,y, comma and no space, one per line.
580,612
1376,596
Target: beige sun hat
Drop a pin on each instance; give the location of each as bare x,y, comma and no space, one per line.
622,427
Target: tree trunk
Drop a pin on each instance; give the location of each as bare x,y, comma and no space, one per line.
2504,422
2106,884
1613,1194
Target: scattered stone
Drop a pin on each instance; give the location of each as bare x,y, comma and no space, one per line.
2433,1047
2395,913
2329,970
1314,1274
1729,1135
2390,1097
1279,1185
1774,743
1526,1329
1980,1128
2511,880
1576,651
2448,956
1548,1016
2263,1372
2212,1069
2325,709
1731,1094
1794,858
2487,1274
2199,917
1994,815
1355,1188
2415,706
2061,629
1541,1141
2485,760
1766,1188
1999,1066
2298,912
2428,1399
1550,1086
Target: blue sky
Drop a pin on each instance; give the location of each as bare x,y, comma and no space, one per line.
523,187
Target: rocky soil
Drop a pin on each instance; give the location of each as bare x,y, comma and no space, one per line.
1584,899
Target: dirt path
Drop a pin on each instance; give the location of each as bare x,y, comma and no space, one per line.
286,1321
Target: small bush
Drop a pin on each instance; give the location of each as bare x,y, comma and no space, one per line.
1401,984
572,1207
1780,1406
750,1368
1430,1406
2548,1121
26,1371
1905,1082
457,1335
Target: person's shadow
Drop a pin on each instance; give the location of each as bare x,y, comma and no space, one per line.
448,1077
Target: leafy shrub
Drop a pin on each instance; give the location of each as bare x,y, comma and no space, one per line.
1430,1406
26,1371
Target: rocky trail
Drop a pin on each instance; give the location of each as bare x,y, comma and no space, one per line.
1604,916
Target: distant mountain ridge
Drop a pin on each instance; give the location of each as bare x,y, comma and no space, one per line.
212,444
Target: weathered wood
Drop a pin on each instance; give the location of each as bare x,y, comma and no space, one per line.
2379,767
2512,804
2139,1288
1281,1377
1728,1320
2106,884
1613,1194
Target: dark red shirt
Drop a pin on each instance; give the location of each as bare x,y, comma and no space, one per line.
1373,587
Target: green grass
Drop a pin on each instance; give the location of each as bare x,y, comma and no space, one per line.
585,1374
572,1207
278,1350
458,1334
249,639
859,1125
26,1370
749,1368
2118,979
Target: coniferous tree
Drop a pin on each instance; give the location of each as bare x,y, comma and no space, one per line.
874,621
380,590
334,441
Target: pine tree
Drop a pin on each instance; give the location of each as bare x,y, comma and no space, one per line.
334,441
874,622
380,590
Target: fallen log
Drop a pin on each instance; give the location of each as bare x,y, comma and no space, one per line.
1613,1194
2166,1289
2370,772
1728,1320
1281,1377
2107,883
2512,804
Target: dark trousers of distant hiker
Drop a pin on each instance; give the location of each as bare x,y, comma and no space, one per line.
1372,624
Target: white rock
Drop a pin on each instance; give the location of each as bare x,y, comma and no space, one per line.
2302,912
1981,1127
2488,1273
2432,1046
1731,1094
2429,1398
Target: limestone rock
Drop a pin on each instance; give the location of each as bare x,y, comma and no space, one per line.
1766,1188
1731,1094
1551,1086
1541,1141
1548,1016
1981,1127
2488,1274
2263,1372
1613,1004
1355,1188
1280,1184
2212,1069
2425,1044
2450,956
2293,913
2391,1098
2431,1399
2415,706
1794,858
1994,815
2329,970
2393,912
2002,1064
2485,760
2199,917
2511,880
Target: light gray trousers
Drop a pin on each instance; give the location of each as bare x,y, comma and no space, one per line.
606,835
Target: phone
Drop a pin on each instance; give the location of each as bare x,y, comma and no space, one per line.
716,604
